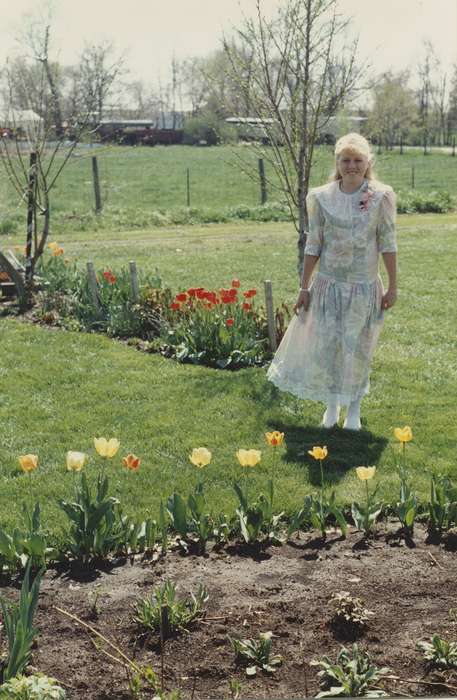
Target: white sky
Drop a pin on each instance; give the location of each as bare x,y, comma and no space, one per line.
390,31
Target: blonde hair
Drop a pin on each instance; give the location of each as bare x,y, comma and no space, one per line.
354,143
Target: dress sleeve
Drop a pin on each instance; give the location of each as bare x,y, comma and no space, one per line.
386,237
315,233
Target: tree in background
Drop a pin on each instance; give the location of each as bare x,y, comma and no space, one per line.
293,73
98,72
452,111
34,151
394,112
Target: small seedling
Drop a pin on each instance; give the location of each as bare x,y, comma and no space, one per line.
438,653
164,613
350,617
351,675
257,651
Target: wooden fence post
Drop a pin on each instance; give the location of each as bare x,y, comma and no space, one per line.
134,281
98,199
31,222
93,286
263,183
270,314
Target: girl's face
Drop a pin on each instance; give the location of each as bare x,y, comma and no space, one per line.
351,165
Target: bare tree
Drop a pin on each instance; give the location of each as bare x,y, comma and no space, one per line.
294,72
33,165
99,68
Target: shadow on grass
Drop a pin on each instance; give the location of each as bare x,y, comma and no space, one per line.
346,449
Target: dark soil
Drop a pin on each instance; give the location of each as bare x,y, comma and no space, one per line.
285,589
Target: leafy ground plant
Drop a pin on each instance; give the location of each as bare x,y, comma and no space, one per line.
191,520
92,532
164,613
443,504
25,545
439,653
257,652
350,618
18,625
406,508
256,519
350,676
366,514
36,687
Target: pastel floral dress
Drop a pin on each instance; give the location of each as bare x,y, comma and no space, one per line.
326,352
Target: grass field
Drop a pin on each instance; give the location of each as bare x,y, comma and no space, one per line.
137,180
60,389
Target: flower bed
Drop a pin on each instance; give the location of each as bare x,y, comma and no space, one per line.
280,604
223,328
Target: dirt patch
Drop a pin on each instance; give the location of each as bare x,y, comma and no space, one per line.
286,590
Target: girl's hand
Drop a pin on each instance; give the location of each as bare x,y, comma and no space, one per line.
389,299
303,300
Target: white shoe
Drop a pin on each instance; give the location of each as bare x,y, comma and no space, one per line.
331,416
352,423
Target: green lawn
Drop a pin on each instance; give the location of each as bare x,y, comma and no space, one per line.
60,389
138,180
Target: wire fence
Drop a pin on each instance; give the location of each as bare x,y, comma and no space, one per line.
166,178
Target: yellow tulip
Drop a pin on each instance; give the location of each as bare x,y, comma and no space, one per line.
53,246
200,456
56,252
75,461
318,452
275,438
248,458
28,463
365,473
404,434
106,448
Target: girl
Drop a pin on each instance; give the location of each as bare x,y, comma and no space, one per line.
326,351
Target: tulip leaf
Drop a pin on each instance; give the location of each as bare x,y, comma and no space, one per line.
178,512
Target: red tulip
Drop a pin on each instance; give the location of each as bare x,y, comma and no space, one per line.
229,322
175,306
181,297
236,283
247,306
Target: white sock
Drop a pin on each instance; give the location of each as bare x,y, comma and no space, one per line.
352,421
331,415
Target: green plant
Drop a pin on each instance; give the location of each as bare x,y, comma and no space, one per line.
191,520
163,612
257,652
406,508
18,625
36,687
257,519
316,513
135,535
216,328
366,514
350,676
94,530
350,617
25,545
443,503
438,653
